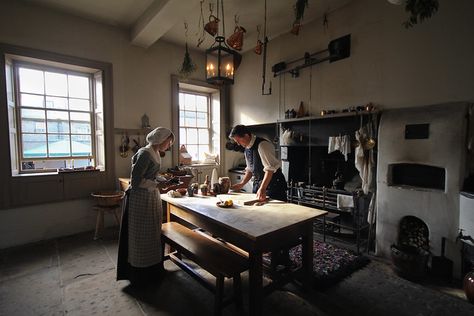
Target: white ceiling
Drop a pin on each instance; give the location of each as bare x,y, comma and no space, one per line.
151,20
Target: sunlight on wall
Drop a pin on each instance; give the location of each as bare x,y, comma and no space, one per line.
247,120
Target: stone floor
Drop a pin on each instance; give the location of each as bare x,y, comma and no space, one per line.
76,276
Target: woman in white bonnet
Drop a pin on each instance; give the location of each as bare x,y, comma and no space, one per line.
140,257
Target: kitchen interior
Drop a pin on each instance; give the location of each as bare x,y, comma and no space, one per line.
368,104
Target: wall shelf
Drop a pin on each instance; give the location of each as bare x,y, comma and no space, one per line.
327,116
132,131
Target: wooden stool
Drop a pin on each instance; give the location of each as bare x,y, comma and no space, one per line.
106,202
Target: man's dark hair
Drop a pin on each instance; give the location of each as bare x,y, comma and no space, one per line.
239,130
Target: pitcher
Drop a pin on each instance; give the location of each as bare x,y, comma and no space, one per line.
236,40
212,26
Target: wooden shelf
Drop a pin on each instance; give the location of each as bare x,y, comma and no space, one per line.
327,116
132,131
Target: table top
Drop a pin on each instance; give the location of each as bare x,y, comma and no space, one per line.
251,220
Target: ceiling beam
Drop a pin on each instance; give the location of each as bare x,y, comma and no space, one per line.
158,19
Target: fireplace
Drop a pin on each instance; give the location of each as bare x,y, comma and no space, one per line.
420,170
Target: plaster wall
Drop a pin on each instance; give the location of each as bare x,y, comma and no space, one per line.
141,83
389,65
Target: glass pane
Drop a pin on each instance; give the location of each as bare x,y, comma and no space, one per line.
190,119
201,119
78,87
189,102
34,145
33,121
79,105
193,151
59,145
31,80
58,121
202,150
192,136
181,118
203,136
81,128
56,103
99,98
81,145
35,101
181,101
201,103
55,84
77,116
182,136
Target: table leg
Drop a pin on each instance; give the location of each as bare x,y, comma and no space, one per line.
307,251
255,283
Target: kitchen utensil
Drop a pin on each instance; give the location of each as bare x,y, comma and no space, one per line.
236,40
440,265
212,26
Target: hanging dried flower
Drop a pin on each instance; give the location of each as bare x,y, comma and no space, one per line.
419,10
188,66
299,8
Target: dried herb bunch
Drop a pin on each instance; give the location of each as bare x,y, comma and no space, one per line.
188,66
419,11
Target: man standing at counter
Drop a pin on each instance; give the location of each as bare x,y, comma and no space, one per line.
261,163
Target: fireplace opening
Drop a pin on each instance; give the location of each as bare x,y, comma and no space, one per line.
411,253
417,175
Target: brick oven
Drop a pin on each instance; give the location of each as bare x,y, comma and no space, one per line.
420,170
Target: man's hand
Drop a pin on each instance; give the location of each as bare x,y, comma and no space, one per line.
237,187
261,194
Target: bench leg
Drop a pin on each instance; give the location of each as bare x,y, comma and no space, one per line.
219,295
115,210
237,287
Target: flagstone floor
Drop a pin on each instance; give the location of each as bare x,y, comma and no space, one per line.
76,276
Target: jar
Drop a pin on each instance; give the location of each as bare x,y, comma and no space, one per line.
224,183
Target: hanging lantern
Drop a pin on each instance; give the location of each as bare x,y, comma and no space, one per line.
221,63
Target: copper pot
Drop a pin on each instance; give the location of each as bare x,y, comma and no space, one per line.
212,26
258,48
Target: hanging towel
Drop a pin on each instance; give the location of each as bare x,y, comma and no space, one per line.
364,161
345,201
341,143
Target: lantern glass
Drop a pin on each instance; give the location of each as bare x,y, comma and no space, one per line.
219,64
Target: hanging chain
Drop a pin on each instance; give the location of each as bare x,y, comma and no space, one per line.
223,21
258,31
265,41
200,26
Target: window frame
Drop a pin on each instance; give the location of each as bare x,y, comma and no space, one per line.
209,128
31,189
17,64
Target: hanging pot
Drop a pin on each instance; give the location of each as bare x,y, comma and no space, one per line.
258,48
212,26
296,28
236,40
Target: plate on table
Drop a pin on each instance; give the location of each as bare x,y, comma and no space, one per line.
223,204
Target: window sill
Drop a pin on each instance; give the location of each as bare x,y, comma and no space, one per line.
53,173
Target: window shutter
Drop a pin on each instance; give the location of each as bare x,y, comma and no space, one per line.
11,116
99,121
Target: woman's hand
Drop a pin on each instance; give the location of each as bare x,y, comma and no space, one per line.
262,194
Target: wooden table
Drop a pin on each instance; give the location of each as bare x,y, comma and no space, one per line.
255,229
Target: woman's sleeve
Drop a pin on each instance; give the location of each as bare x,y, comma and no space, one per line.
139,165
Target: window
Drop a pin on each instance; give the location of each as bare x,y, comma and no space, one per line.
56,116
199,122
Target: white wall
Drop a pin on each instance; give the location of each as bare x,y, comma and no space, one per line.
389,65
141,82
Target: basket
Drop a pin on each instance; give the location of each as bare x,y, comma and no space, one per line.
108,198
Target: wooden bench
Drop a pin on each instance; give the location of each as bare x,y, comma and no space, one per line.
212,256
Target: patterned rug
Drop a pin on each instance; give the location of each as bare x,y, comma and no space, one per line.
331,264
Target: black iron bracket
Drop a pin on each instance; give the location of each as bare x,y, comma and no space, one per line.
338,49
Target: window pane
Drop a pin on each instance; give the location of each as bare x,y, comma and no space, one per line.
203,136
202,150
33,121
181,118
181,101
35,101
201,103
190,119
58,122
59,145
192,136
80,128
56,103
77,116
193,151
34,145
81,145
79,105
55,84
31,80
189,102
78,87
182,136
201,119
